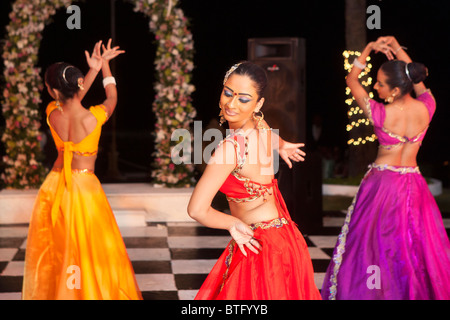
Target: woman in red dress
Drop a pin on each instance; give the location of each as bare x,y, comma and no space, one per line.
267,257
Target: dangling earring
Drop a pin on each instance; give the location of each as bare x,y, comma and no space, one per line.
259,119
222,119
58,105
391,98
80,83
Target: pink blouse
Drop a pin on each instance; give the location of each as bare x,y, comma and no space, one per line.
387,139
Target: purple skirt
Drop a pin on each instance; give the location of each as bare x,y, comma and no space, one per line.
393,245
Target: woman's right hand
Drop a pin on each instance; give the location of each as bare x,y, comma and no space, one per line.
243,236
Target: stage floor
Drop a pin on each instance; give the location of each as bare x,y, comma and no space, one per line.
171,260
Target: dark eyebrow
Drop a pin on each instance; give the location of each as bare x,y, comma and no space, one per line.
241,94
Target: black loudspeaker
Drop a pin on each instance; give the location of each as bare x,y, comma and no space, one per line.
284,60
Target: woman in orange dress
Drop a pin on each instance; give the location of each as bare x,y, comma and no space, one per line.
74,248
267,257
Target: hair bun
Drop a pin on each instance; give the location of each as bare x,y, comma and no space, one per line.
417,71
64,77
70,75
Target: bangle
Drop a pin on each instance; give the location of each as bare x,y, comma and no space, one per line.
108,80
358,64
401,47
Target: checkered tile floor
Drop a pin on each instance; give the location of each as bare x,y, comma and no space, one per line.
170,260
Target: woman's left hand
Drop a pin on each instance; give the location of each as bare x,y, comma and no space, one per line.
291,151
110,53
95,60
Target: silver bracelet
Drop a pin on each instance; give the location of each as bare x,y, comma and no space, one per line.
358,64
399,48
108,80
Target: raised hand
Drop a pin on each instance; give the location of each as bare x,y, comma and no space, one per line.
95,60
389,40
110,53
384,45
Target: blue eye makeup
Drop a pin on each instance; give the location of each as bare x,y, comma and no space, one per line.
244,100
229,94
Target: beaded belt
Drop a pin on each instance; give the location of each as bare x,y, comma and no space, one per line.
77,171
276,223
401,170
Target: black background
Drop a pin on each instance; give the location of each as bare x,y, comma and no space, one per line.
220,30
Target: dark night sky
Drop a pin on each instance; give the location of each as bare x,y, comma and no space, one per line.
221,30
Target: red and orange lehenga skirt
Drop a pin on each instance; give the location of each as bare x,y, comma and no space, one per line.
76,251
281,271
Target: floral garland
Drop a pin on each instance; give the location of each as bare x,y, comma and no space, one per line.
172,105
21,96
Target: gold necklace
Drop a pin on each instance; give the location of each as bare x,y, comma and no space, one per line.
395,106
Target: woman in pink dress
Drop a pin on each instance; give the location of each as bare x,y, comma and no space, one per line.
393,244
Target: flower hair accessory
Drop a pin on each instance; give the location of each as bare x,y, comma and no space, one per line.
229,72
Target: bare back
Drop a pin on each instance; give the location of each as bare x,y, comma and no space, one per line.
409,120
74,124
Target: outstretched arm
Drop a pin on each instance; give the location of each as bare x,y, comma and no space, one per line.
95,64
110,84
288,151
